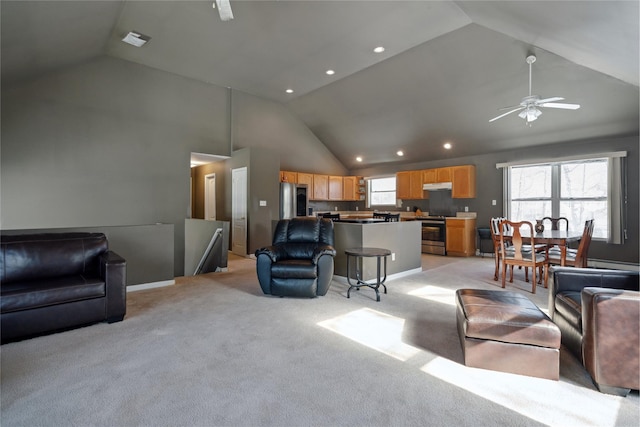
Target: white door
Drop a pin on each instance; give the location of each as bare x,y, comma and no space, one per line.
210,197
239,211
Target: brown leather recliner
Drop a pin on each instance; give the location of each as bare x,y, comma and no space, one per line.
598,312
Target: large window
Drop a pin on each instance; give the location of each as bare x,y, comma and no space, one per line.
382,191
577,190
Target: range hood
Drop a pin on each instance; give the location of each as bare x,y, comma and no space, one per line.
437,186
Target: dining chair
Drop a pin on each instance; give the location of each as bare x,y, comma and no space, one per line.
556,222
519,256
495,238
574,257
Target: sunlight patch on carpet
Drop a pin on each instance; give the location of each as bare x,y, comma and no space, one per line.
539,399
435,293
376,330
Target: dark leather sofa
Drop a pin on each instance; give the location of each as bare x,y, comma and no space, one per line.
598,313
58,281
300,261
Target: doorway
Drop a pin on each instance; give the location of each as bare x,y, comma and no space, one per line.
239,211
210,197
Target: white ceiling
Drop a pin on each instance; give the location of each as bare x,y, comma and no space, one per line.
447,68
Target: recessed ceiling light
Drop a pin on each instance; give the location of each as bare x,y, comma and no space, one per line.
400,153
289,90
358,159
330,72
447,146
379,49
136,39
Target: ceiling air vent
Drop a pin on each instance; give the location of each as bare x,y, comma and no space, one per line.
136,39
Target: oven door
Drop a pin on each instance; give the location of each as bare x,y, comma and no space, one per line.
433,237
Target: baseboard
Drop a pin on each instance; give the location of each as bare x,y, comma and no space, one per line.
343,279
143,286
614,265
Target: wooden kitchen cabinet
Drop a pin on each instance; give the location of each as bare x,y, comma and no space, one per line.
409,185
461,237
464,182
443,174
349,188
430,176
306,178
287,176
335,188
320,187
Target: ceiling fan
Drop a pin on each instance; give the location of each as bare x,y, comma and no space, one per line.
529,105
224,9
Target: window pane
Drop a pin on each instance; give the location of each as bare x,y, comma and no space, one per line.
578,211
383,184
383,198
583,180
531,182
530,211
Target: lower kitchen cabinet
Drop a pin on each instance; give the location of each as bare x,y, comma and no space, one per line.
461,237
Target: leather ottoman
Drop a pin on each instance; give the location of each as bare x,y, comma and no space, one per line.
505,331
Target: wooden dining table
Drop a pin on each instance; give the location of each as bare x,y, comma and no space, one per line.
550,237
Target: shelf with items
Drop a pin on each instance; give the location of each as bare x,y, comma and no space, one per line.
361,188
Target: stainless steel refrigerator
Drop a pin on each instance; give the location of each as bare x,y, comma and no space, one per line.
294,200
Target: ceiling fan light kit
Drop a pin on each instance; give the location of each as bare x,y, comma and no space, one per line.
529,105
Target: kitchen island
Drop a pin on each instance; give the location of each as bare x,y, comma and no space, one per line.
401,238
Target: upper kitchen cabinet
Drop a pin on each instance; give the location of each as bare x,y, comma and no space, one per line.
349,188
464,182
409,185
306,178
320,187
432,176
286,176
443,174
429,176
335,188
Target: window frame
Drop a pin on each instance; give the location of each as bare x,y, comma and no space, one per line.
556,198
370,191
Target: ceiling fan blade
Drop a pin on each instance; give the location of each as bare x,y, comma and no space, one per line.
554,99
560,105
507,113
510,107
224,9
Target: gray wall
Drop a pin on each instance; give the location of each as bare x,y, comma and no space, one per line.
108,143
147,249
489,185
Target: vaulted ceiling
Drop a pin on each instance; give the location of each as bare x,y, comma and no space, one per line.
448,66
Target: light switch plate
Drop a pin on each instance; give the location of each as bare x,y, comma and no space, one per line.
263,203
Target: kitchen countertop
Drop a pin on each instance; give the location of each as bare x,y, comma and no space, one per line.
360,220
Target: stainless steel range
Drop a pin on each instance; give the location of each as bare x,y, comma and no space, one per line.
434,235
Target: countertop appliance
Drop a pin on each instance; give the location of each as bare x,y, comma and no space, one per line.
294,200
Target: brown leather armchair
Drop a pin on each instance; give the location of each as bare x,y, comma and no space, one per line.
598,312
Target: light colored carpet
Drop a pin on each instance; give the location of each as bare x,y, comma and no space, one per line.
213,350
